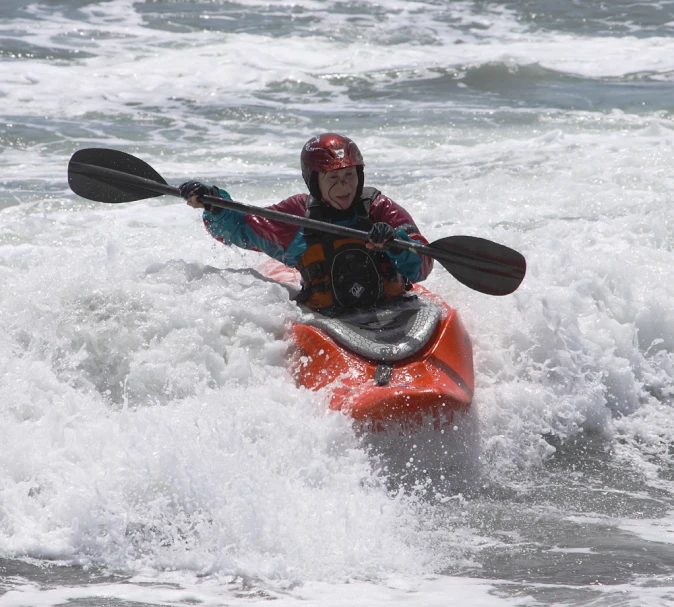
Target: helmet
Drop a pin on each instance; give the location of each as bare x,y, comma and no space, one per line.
328,152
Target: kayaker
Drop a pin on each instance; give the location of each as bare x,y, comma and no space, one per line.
336,272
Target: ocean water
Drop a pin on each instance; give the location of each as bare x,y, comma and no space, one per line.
154,449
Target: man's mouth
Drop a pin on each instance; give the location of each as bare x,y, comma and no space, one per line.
342,200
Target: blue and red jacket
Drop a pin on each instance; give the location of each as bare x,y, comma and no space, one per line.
286,242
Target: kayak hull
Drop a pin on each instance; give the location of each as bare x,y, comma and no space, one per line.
436,381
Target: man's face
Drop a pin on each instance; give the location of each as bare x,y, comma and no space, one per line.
338,187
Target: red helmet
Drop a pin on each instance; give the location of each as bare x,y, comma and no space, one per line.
328,152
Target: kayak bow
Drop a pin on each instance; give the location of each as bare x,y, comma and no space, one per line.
403,361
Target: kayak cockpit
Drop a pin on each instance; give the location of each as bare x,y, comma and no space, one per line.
390,332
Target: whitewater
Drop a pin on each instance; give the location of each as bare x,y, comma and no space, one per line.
154,447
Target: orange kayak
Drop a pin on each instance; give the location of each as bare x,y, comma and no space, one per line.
400,362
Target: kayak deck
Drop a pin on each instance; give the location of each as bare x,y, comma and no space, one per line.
388,333
401,361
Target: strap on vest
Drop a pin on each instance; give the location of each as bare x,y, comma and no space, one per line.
313,272
315,209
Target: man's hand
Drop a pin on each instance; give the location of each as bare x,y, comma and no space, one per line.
192,191
380,234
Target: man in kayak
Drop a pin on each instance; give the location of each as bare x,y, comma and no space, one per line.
336,272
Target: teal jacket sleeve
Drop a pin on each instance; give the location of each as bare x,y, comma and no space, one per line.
407,262
279,240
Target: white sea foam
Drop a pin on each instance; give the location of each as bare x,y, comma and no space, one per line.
151,420
151,424
136,65
431,592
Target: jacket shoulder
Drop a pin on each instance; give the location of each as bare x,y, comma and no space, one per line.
385,209
294,205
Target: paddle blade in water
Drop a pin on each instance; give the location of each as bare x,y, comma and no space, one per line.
107,176
481,264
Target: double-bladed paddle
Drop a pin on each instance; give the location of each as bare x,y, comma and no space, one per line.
112,176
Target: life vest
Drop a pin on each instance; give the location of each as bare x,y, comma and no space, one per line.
341,272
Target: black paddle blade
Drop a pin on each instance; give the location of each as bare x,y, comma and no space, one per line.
481,264
100,174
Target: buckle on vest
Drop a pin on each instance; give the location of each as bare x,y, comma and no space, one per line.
316,271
